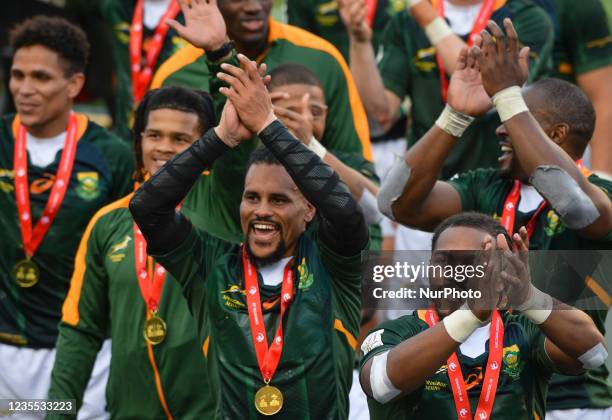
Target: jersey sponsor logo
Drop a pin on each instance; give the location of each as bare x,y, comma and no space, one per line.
6,185
306,278
435,385
43,184
232,302
425,60
88,185
554,226
114,254
372,341
511,361
327,14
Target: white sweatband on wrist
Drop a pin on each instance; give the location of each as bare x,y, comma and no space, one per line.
412,3
437,30
509,102
461,323
538,306
595,357
383,389
317,148
453,122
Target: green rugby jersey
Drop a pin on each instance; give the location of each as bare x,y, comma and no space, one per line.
582,37
118,16
319,328
101,173
346,127
522,382
408,68
168,380
483,190
322,17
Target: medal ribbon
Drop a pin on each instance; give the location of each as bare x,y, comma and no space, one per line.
491,379
141,78
510,205
486,10
150,290
267,358
32,239
371,6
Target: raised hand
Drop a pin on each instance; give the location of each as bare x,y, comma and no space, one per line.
466,93
353,14
515,273
204,25
298,123
248,93
501,63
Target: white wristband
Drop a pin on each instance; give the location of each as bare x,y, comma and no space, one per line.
461,323
437,30
509,102
537,307
453,122
412,3
317,148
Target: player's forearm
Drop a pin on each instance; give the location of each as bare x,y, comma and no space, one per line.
448,44
369,83
411,363
318,182
363,190
425,160
573,332
153,205
355,181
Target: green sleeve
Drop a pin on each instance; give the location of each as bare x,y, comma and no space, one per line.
469,185
587,36
395,57
384,338
536,339
299,13
85,321
214,83
345,273
389,334
535,30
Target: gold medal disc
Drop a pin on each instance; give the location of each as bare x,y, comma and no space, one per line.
268,400
154,330
26,273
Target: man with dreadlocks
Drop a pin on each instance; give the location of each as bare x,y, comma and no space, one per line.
157,366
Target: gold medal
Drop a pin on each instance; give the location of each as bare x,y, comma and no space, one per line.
154,329
268,400
26,273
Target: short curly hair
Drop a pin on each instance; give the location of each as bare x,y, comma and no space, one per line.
57,34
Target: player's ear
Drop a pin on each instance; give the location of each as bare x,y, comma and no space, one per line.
75,84
310,212
559,133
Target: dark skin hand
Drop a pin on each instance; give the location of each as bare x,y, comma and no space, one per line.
569,332
498,61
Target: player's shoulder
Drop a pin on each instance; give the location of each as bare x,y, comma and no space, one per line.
301,38
113,212
604,184
95,133
389,334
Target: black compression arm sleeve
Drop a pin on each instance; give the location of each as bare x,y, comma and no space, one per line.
343,227
153,204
